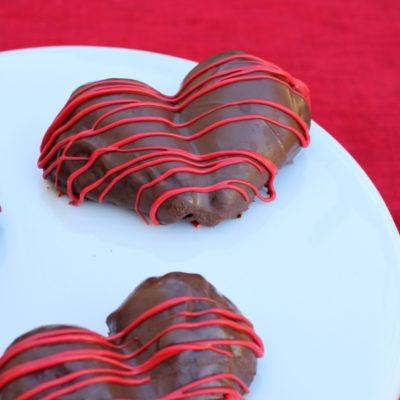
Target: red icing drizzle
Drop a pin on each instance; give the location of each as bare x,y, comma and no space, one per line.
54,151
123,373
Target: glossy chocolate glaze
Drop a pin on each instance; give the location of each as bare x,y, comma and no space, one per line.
275,143
171,374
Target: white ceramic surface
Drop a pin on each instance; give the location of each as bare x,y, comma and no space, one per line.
317,271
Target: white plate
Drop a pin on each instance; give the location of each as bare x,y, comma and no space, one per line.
318,270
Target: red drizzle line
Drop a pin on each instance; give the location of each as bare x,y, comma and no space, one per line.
119,371
54,151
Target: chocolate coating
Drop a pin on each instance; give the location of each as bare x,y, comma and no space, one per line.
169,375
274,142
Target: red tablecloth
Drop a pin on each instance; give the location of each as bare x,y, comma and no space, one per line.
347,51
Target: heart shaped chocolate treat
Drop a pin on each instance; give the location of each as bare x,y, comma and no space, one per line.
201,155
174,338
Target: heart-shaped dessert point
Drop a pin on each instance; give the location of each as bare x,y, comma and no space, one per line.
174,338
200,155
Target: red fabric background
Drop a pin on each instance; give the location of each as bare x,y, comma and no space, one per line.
347,51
